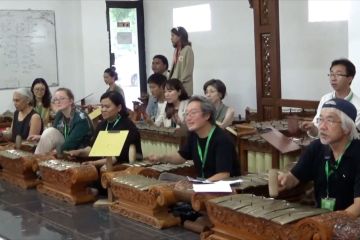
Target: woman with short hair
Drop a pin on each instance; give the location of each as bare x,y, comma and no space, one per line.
26,121
215,91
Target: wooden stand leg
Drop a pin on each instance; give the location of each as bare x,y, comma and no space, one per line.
106,202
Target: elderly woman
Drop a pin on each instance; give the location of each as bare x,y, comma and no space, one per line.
42,99
26,121
115,115
215,91
72,128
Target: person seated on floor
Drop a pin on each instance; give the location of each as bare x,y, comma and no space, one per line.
72,127
332,161
157,88
215,91
26,121
176,101
211,149
42,99
115,117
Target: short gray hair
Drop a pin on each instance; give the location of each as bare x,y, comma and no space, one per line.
206,107
26,93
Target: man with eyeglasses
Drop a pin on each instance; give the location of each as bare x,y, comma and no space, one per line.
332,161
342,72
211,149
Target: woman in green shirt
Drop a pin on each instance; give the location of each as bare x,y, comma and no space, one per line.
42,99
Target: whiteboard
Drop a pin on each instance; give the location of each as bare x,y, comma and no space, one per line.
27,48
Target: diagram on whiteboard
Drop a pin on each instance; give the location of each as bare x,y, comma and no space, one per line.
27,48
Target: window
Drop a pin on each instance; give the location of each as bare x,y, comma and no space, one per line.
328,10
195,18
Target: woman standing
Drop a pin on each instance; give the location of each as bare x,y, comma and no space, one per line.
215,91
26,121
41,98
72,128
115,117
110,77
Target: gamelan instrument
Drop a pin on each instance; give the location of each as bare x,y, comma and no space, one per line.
17,167
159,140
246,216
143,199
67,181
154,170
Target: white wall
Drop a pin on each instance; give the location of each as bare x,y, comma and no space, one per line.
95,47
227,52
69,43
354,43
307,49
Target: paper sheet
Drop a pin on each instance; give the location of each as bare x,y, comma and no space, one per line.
94,114
109,143
221,186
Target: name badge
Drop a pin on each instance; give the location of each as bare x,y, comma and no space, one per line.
328,203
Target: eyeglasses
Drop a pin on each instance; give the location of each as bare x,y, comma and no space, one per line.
337,75
39,89
54,100
327,121
192,113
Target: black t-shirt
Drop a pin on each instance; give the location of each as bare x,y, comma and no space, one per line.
133,136
221,156
22,128
344,182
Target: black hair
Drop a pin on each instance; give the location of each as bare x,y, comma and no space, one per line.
218,84
157,79
175,84
112,72
350,67
182,33
46,99
163,59
117,99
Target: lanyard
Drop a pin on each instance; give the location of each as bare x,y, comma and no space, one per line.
66,131
201,155
116,121
329,171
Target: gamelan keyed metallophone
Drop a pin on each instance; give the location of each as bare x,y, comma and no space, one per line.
67,181
159,140
246,216
17,167
154,170
143,199
257,155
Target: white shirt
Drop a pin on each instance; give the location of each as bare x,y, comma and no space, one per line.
354,99
167,122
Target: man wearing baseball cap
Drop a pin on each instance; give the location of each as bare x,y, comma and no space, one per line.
332,161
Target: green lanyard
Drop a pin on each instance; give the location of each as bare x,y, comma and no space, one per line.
203,157
329,171
66,131
116,121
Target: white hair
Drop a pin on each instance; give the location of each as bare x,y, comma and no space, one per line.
348,125
26,93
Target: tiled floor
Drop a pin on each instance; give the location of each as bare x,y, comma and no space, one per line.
26,214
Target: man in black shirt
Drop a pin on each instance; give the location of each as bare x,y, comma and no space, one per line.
333,161
211,149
